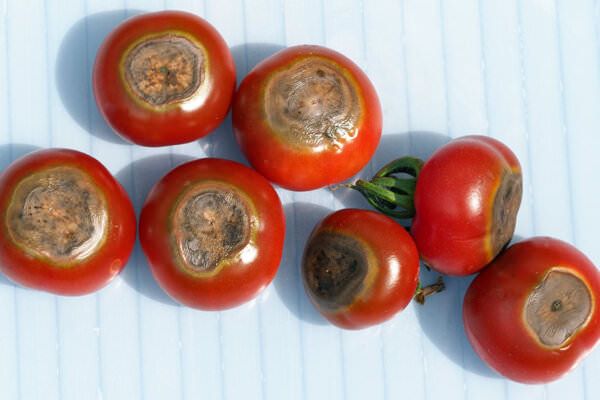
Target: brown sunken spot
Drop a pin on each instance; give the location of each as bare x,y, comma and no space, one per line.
558,307
312,103
164,69
211,225
505,208
57,213
334,268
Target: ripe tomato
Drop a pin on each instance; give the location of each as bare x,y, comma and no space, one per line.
466,200
359,268
307,117
533,314
212,231
68,227
164,78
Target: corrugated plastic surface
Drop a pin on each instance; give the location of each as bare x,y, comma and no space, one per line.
526,72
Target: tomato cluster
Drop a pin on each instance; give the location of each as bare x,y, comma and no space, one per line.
213,230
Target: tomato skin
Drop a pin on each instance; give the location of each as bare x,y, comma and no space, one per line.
181,124
453,201
303,168
239,280
396,262
493,311
91,273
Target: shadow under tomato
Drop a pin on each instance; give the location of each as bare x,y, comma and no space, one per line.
419,144
74,66
137,179
8,154
441,322
221,143
300,218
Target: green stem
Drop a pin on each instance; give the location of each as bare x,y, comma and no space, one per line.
386,192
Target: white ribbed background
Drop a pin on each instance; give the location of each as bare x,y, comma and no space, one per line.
526,72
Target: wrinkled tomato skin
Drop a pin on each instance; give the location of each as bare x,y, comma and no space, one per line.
303,168
150,127
453,202
96,270
396,264
238,281
493,312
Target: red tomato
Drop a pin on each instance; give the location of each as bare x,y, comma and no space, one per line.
533,314
68,227
307,117
212,231
164,78
466,199
359,268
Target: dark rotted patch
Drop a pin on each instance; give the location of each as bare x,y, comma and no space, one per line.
57,213
312,103
164,69
558,307
505,208
211,225
334,268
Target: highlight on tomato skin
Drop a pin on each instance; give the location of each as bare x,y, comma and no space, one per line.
307,117
533,314
68,226
212,231
359,268
164,78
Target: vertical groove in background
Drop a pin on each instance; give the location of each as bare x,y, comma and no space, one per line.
445,68
138,284
405,66
300,294
567,146
484,75
565,123
525,109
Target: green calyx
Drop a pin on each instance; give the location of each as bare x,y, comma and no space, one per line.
389,193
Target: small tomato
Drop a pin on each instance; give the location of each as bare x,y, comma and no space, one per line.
213,232
307,117
68,227
164,78
359,268
464,200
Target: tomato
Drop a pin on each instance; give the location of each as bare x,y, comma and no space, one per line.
164,78
464,200
307,117
212,231
68,227
359,268
534,313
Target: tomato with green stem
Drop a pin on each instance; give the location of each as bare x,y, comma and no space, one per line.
212,231
534,313
68,226
307,117
464,201
360,268
164,78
